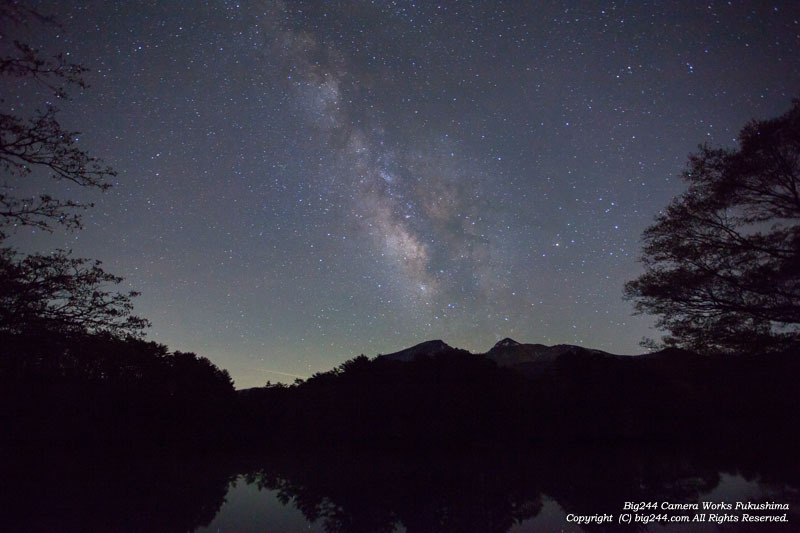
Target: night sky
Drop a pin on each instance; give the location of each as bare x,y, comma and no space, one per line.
302,182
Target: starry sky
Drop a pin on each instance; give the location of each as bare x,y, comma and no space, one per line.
302,182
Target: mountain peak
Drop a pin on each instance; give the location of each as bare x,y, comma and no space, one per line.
508,341
433,344
424,348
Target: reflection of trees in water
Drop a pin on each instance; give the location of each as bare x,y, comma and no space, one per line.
600,480
492,493
374,493
94,490
141,490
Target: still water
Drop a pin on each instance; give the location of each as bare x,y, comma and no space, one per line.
248,509
64,490
490,494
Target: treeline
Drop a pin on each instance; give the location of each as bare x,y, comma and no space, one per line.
457,400
94,389
97,389
450,399
448,441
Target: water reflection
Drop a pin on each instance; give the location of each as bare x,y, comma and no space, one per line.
339,493
249,509
68,489
135,490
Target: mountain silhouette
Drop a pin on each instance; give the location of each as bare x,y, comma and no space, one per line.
529,359
423,349
433,396
508,341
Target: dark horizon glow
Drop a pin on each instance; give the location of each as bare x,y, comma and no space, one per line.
302,182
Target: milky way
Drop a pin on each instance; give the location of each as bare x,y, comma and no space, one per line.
301,182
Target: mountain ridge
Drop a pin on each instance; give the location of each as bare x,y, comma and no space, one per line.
426,348
525,357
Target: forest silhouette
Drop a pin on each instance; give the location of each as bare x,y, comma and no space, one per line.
446,441
100,388
75,370
101,427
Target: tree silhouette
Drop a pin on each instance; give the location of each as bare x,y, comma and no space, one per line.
58,293
722,262
54,291
36,142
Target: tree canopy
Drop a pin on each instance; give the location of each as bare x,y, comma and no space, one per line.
36,141
60,293
54,291
722,261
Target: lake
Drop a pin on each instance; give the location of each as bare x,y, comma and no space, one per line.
63,489
536,492
249,509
